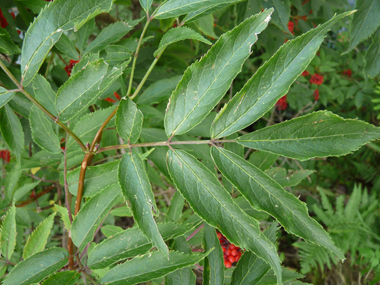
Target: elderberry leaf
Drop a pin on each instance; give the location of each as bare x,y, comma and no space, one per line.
111,34
44,93
372,57
37,240
129,120
146,4
271,81
265,194
23,190
288,179
7,46
179,34
8,233
364,22
66,46
5,96
150,266
97,178
47,28
281,12
132,242
37,267
136,188
319,134
92,214
206,81
63,278
43,133
12,131
158,91
175,8
80,91
215,258
201,188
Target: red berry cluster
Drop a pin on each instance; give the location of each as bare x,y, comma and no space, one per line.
291,27
316,79
5,155
3,21
231,253
70,66
316,94
109,99
347,72
282,104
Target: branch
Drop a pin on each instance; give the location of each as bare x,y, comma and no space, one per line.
31,200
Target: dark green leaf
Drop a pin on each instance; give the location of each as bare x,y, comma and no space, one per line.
7,46
262,159
271,81
92,214
37,267
281,12
44,93
110,230
110,34
47,28
63,278
11,130
146,4
23,190
8,233
67,47
129,120
84,33
179,34
117,53
130,243
210,201
206,81
215,258
285,179
364,22
43,133
123,211
267,195
192,16
64,216
372,57
37,240
318,134
148,267
80,91
97,178
136,188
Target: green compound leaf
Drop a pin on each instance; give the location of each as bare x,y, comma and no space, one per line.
97,178
43,133
12,131
213,203
175,8
129,120
7,46
146,4
267,195
271,81
158,91
179,34
6,96
215,258
92,214
37,267
319,134
206,81
130,243
8,233
37,240
365,22
281,12
150,266
110,34
44,93
136,188
47,28
63,278
81,90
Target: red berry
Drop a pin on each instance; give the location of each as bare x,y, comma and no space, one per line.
232,246
347,72
228,252
70,66
219,235
117,96
108,99
231,259
316,79
305,73
316,94
227,264
234,252
237,258
291,26
282,104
